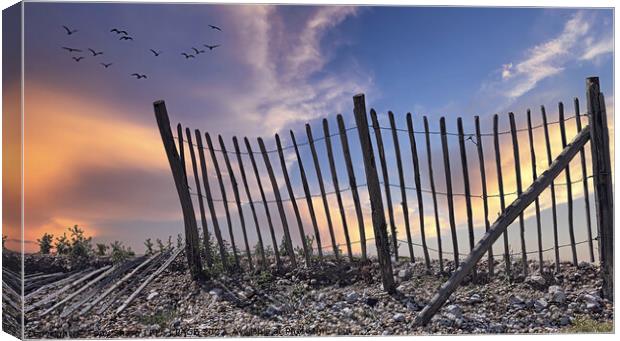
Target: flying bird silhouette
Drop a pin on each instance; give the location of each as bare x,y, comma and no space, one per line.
215,27
71,49
198,51
125,38
156,53
117,31
210,47
187,56
138,76
95,53
106,65
77,59
69,31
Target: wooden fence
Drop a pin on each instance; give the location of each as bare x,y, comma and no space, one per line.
236,253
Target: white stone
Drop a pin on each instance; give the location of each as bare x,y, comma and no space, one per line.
398,317
352,297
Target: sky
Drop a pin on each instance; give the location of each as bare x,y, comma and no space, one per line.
94,157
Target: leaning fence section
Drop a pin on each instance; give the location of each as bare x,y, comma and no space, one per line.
435,192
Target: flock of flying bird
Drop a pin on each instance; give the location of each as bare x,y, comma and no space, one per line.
124,35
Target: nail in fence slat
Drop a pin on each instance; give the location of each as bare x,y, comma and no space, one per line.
352,184
429,154
291,195
517,163
586,191
465,168
401,179
265,205
500,226
603,187
304,181
569,189
386,180
534,176
319,176
483,184
449,196
332,168
180,181
288,244
418,188
500,186
207,188
261,248
201,206
218,173
554,215
374,193
235,187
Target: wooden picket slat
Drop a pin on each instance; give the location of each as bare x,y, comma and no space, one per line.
288,243
248,147
386,181
201,206
235,187
584,177
449,194
218,173
181,147
332,168
500,186
534,176
374,192
418,188
344,141
429,157
554,216
319,176
207,188
467,189
177,167
304,181
517,164
291,195
261,248
483,184
401,180
569,188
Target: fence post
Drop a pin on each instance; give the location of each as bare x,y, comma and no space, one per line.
601,170
374,191
180,180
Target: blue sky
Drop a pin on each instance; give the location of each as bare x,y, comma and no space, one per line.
278,67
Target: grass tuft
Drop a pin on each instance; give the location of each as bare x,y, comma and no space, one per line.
583,324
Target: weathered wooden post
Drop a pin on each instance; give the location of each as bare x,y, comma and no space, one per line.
603,195
374,190
192,250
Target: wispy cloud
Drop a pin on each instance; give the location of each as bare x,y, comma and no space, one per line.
598,48
286,68
578,41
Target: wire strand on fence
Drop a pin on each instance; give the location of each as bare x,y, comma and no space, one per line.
269,151
409,188
433,132
465,254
